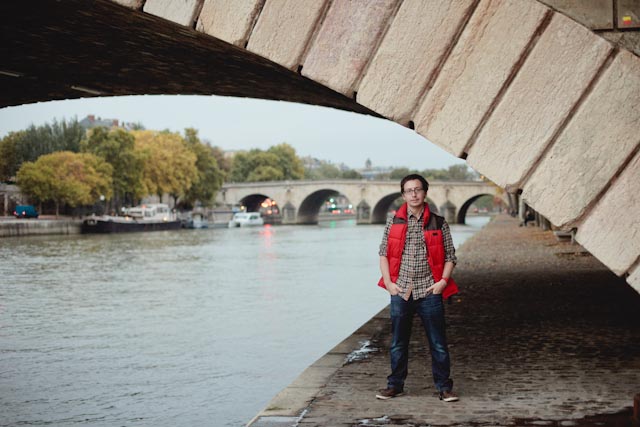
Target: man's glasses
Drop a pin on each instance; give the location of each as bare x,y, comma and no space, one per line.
413,190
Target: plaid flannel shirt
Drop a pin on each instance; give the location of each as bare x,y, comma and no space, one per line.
415,275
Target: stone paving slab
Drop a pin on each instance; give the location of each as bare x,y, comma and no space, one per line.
541,334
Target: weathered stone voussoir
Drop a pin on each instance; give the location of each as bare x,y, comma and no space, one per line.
475,72
229,21
582,162
559,69
611,230
284,30
345,42
408,57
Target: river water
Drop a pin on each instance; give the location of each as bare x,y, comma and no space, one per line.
190,327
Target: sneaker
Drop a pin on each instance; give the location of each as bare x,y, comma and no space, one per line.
448,396
388,393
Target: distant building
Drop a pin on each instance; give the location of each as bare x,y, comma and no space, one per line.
91,121
370,172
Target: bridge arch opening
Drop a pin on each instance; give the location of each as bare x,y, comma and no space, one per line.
265,205
389,204
327,202
480,204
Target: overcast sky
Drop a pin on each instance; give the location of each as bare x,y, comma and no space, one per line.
241,123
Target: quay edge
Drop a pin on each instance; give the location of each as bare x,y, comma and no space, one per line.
39,227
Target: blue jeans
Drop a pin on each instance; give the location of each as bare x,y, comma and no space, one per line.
431,312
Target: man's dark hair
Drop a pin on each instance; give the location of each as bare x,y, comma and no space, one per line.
425,184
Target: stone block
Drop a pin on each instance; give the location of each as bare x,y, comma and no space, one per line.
345,42
230,21
478,67
594,14
611,231
634,279
284,29
559,68
590,150
183,12
410,53
131,4
628,14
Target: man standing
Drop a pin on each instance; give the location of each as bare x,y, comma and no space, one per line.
417,257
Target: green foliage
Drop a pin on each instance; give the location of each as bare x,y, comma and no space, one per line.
117,147
398,174
210,177
276,164
35,141
323,171
290,163
169,165
351,174
9,155
224,163
66,178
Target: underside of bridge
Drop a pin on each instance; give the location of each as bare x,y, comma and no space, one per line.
541,97
76,48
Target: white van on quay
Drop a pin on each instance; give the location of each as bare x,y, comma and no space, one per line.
246,219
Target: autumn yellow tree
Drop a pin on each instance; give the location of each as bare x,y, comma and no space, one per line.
169,167
66,178
116,146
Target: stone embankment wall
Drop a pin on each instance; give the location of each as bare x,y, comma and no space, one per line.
33,227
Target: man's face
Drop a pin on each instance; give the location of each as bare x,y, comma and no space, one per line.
414,194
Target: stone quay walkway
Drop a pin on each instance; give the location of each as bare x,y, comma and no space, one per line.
541,334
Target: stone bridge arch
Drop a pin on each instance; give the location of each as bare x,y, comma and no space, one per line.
547,111
463,210
311,205
252,201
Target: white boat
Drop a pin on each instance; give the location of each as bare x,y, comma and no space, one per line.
196,220
246,219
151,217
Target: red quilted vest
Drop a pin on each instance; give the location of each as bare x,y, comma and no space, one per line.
435,247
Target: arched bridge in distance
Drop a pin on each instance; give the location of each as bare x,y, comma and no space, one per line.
541,97
300,201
